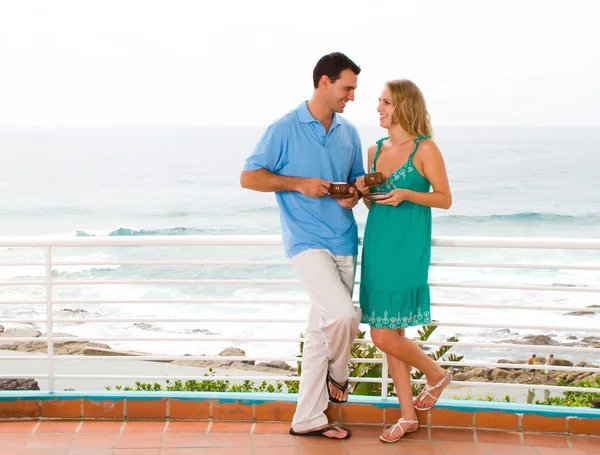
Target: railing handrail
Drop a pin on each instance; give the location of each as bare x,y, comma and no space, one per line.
275,240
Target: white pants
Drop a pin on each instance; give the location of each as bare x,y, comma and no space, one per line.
332,325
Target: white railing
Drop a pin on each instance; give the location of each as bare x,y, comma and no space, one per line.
49,283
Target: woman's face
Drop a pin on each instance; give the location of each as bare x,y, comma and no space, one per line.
385,108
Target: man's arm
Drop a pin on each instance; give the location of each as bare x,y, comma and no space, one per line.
265,181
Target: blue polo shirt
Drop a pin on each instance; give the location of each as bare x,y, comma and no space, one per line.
298,146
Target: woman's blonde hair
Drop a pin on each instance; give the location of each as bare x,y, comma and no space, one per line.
410,110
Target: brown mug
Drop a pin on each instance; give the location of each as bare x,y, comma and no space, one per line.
339,188
374,178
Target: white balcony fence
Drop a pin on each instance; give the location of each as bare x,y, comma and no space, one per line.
49,283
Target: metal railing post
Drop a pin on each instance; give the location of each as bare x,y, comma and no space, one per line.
49,318
384,377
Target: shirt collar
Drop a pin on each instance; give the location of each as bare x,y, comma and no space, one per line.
305,116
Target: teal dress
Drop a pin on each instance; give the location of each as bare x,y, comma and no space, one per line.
394,292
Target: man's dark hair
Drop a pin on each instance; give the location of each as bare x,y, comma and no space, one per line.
332,65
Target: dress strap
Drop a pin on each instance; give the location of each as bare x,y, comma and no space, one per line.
417,141
379,145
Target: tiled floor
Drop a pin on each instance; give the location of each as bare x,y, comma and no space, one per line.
228,438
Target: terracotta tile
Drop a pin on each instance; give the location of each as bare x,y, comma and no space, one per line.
229,440
90,452
545,440
275,412
95,441
101,427
145,451
416,449
378,448
65,426
17,427
135,440
418,436
62,409
532,422
583,443
185,440
499,437
186,409
12,441
361,413
274,440
333,413
232,411
187,427
277,450
49,441
147,409
461,448
306,441
393,414
451,418
183,451
503,449
229,451
106,409
44,452
589,427
563,451
365,431
19,409
144,427
499,420
337,449
271,428
231,427
367,434
448,434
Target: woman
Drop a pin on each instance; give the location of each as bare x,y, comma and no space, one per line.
394,293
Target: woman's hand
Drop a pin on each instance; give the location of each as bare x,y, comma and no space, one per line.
360,185
395,197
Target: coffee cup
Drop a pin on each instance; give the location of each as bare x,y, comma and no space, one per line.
338,188
373,178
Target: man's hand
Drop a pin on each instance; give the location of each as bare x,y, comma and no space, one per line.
351,202
395,197
313,187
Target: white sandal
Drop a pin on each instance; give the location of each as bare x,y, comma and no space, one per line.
427,391
399,425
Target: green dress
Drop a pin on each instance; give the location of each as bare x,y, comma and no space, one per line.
396,253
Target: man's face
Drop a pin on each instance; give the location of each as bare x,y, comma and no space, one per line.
341,91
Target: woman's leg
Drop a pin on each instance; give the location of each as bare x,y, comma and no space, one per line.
398,346
401,377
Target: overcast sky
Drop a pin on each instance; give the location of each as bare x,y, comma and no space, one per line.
195,63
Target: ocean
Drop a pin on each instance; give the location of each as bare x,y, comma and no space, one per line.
513,182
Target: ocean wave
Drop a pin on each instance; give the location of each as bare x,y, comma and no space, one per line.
525,216
261,209
122,232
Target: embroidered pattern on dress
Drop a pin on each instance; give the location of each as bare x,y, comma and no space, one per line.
397,322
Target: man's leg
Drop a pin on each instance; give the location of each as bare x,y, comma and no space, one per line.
333,322
339,349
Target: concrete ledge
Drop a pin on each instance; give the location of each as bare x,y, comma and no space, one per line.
272,407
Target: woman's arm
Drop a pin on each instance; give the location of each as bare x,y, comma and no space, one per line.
434,170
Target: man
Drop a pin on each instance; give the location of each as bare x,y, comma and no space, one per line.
297,158
531,361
